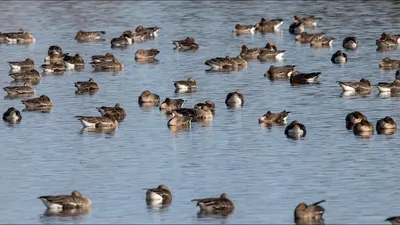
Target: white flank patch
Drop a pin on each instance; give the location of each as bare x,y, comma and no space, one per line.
347,88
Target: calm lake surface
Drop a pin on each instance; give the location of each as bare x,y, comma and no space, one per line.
264,173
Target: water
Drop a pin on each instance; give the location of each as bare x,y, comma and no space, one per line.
263,172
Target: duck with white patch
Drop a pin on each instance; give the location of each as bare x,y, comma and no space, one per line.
339,57
362,86
178,120
185,45
215,205
295,129
350,43
65,202
297,78
312,212
106,121
27,64
271,25
321,41
244,29
73,61
108,57
160,195
219,63
305,38
55,67
309,22
12,115
25,38
188,84
296,28
276,72
274,118
234,99
389,87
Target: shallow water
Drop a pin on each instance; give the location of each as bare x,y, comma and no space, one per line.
263,172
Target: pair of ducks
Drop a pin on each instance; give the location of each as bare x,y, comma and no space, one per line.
364,86
19,37
289,72
138,35
109,119
360,125
106,62
294,130
183,117
270,51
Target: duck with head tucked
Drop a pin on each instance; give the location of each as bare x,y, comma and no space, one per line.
148,32
160,195
244,29
27,64
43,102
319,41
4,35
12,115
25,38
108,57
185,45
210,104
27,75
234,99
172,104
309,22
362,86
178,120
74,61
114,64
339,57
277,72
54,67
350,43
386,125
87,85
197,114
109,120
265,25
362,128
387,41
121,41
148,97
393,87
295,130
388,63
219,63
83,36
305,38
142,54
297,78
215,205
274,118
309,212
353,118
188,84
27,89
117,108
64,202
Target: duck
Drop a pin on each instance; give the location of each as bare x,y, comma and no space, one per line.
386,123
106,121
296,27
388,63
303,78
219,63
395,220
12,115
215,204
197,114
89,35
234,99
321,41
244,29
269,25
295,129
210,104
271,51
187,84
149,31
275,72
309,212
172,104
142,54
148,97
361,86
22,65
241,63
188,44
161,194
87,85
55,67
387,41
73,61
132,36
339,57
120,41
4,35
113,64
38,103
353,118
31,75
56,58
350,43
65,202
363,127
277,118
54,50
179,120
389,87
250,52
108,57
305,38
27,89
25,38
117,108
309,22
